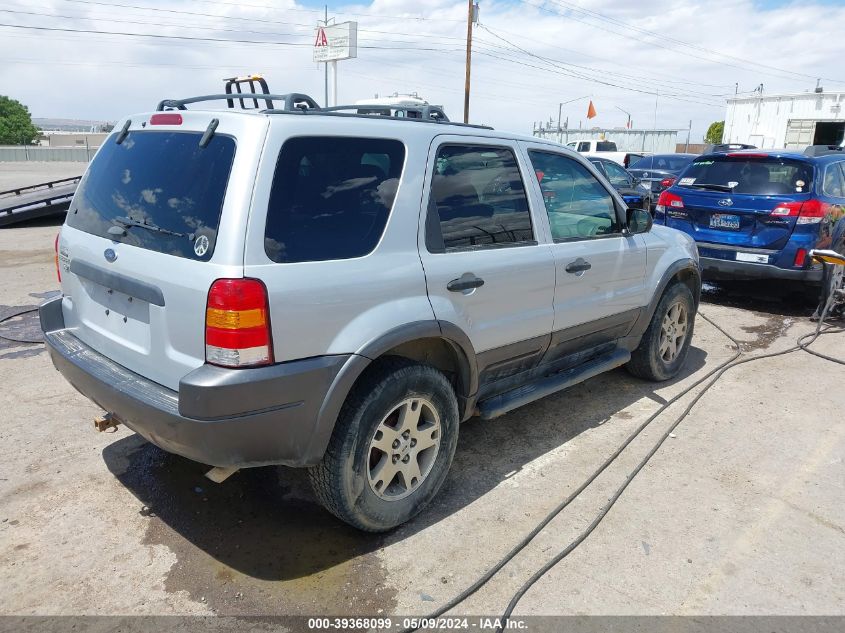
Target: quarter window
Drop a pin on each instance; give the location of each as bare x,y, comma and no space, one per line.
834,180
477,200
331,197
578,206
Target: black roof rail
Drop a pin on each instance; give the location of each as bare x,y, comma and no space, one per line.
424,111
291,102
340,111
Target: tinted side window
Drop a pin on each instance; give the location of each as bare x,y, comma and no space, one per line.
834,180
616,175
583,147
477,200
578,205
331,197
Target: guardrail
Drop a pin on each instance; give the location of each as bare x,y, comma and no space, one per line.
23,153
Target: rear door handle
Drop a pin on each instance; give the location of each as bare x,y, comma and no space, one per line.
578,266
467,281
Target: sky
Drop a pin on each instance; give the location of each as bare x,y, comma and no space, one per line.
665,63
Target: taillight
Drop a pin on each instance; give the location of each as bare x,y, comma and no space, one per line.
237,324
812,212
168,118
667,201
56,258
667,182
800,257
809,212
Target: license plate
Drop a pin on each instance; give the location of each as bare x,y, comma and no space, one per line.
724,221
752,257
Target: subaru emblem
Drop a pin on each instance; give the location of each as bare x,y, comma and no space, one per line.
110,255
725,202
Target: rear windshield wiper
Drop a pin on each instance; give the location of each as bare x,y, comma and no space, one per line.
711,187
127,221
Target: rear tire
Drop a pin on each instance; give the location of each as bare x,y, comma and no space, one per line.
665,344
391,448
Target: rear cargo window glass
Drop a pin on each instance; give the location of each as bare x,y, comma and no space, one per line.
163,180
662,163
605,146
758,176
331,197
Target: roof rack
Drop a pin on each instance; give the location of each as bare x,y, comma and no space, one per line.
340,111
299,103
292,101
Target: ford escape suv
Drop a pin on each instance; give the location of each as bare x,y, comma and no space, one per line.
337,291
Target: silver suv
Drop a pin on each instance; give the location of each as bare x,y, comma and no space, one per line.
339,291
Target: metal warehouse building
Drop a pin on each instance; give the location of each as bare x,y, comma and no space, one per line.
791,120
651,141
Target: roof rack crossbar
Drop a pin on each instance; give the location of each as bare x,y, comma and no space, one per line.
292,101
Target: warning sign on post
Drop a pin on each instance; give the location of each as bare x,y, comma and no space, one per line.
336,41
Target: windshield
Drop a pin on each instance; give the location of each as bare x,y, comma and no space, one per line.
751,175
163,189
662,163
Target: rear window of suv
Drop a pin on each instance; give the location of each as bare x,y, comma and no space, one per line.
331,197
163,180
751,175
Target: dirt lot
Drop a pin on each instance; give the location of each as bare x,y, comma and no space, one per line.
739,513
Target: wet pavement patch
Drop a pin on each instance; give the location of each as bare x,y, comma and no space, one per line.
255,544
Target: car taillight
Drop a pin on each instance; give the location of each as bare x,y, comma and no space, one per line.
237,324
669,200
667,182
800,257
56,258
812,212
809,212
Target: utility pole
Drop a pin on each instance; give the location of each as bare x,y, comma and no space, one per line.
689,129
472,16
326,66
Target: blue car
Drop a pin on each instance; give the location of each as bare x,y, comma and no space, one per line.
755,214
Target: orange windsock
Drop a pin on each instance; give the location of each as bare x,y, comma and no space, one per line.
591,110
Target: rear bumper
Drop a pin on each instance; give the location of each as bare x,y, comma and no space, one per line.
221,417
712,268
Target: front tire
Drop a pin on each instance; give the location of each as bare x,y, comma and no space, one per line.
665,344
391,448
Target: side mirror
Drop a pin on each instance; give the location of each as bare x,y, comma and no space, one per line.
638,220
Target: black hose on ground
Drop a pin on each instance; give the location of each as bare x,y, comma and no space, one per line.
19,339
716,373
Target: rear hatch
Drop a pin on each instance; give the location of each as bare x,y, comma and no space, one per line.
156,219
742,200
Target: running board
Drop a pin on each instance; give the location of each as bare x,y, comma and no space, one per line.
510,400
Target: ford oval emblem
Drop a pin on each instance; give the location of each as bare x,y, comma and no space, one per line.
110,255
725,202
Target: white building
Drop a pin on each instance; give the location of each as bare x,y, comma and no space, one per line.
793,121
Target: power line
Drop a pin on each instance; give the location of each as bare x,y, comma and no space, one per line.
570,73
658,43
664,37
206,39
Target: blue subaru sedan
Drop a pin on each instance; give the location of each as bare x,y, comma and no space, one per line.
756,214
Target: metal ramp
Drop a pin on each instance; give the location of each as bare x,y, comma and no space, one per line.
36,201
